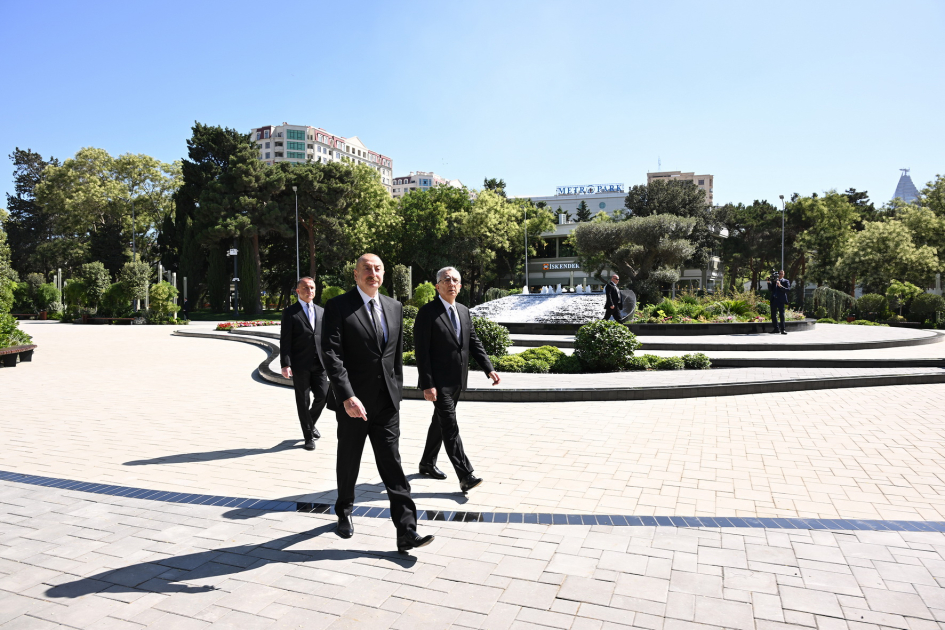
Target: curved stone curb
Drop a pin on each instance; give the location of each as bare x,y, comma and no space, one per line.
790,362
622,393
363,511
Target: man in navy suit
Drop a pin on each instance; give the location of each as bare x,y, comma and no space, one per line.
300,355
363,338
445,339
779,297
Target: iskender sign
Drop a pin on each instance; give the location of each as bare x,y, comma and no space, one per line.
589,189
553,266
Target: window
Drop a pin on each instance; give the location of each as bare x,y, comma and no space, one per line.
267,145
295,134
294,155
295,146
266,133
602,205
259,135
267,155
311,146
564,249
702,182
546,249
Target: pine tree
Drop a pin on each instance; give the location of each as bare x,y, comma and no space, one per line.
583,212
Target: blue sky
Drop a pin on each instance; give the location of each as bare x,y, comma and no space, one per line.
771,98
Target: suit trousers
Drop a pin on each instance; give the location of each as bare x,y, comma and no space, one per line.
315,384
444,429
777,308
611,313
383,429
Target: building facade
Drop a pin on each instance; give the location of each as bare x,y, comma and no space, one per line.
301,143
421,180
705,182
905,189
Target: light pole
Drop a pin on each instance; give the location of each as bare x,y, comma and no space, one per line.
236,283
295,189
782,231
525,212
134,253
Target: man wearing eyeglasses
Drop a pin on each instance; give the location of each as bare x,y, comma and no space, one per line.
445,339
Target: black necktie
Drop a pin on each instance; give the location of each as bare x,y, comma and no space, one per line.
455,323
378,331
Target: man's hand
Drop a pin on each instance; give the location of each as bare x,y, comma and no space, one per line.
496,379
354,408
287,372
430,394
611,306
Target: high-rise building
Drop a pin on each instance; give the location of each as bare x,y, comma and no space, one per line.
300,143
702,181
421,180
905,189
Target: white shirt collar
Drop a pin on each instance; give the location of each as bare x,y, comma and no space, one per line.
448,305
367,298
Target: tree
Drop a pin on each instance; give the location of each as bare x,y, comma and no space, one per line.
96,280
754,240
646,252
495,185
136,276
8,276
29,224
828,224
583,213
933,195
899,294
865,208
884,250
679,197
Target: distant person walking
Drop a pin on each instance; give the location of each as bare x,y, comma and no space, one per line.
445,339
779,288
300,354
613,305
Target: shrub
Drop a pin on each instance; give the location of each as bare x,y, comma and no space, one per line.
494,337
687,309
410,311
821,313
74,293
330,292
44,295
537,366
924,307
509,363
651,360
400,279
116,302
667,306
410,358
832,301
548,354
696,361
866,322
567,364
21,298
494,293
899,294
10,333
670,363
137,277
638,364
55,308
872,306
605,346
425,292
826,320
736,307
408,334
161,299
97,280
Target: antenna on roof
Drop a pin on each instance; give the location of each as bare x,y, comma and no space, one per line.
905,171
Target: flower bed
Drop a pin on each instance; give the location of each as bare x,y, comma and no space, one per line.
252,324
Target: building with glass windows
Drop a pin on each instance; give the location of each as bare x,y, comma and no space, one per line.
905,189
421,180
301,143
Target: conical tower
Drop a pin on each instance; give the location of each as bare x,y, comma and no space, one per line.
906,190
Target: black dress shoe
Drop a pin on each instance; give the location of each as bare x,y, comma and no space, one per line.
783,332
469,483
315,433
432,472
774,332
412,540
345,526
309,445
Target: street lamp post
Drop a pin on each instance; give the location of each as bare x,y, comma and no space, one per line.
525,211
236,283
295,189
134,252
782,231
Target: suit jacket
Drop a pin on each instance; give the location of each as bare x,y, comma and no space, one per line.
779,291
300,346
353,360
613,296
442,359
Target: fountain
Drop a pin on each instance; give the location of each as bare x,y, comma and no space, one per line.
551,311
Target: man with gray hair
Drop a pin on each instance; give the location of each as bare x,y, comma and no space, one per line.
445,338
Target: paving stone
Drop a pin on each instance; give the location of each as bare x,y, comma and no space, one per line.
530,594
581,589
896,603
732,614
815,602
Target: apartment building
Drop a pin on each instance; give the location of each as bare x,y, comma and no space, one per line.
421,180
301,143
702,181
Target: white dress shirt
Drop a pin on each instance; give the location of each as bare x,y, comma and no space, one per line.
378,311
459,323
309,312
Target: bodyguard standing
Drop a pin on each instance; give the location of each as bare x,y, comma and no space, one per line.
779,298
363,340
445,339
300,355
613,303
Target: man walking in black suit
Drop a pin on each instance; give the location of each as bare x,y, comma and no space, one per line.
445,339
363,340
613,303
300,355
779,297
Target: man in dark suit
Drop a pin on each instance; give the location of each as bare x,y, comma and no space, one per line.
300,355
613,303
779,298
363,340
445,339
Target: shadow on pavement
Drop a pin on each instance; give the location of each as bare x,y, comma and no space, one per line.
174,574
208,456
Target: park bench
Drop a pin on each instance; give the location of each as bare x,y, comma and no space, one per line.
106,320
40,315
8,355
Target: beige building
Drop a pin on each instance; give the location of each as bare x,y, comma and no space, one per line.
301,143
421,180
702,181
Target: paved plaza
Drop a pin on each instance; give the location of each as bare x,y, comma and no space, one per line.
134,406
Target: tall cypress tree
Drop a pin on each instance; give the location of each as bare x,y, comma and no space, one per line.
29,223
583,213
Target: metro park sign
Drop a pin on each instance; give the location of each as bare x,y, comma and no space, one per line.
589,189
